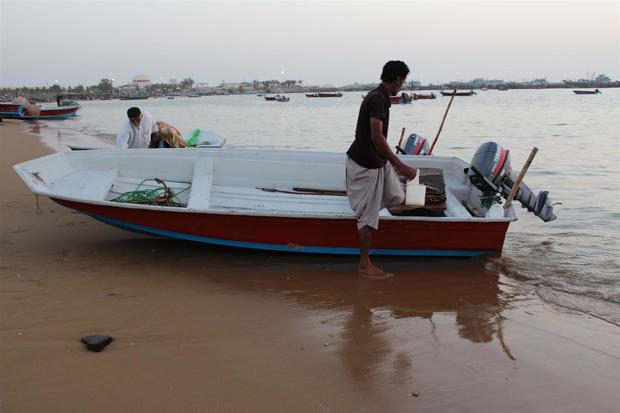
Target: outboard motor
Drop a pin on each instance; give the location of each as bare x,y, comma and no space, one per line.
416,145
491,173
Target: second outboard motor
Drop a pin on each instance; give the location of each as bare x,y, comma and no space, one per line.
491,173
416,145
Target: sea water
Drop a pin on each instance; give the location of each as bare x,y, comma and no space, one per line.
570,263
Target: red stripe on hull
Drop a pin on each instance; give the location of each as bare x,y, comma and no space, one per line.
9,108
317,232
57,112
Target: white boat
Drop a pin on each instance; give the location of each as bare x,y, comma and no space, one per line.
283,200
206,139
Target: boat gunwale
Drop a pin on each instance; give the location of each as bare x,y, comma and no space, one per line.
21,170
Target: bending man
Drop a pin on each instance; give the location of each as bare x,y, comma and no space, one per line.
372,182
137,131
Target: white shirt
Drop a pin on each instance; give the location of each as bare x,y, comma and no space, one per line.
134,137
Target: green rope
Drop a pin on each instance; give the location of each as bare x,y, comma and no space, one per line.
163,196
193,141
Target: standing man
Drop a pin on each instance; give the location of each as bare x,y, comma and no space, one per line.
372,182
137,131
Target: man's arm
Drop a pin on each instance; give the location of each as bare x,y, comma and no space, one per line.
376,134
121,139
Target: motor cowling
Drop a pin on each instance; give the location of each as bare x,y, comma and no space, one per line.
491,173
416,145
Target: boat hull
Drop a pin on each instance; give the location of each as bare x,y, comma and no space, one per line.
60,113
11,110
419,97
324,95
305,234
395,100
53,113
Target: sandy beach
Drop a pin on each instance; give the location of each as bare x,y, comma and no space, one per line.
209,329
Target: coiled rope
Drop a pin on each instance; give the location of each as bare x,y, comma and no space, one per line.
163,196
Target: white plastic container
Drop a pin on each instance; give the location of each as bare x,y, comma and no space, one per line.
495,211
415,193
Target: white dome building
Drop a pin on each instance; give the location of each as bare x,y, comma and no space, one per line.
141,81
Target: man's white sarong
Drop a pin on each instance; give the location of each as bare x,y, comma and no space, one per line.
370,190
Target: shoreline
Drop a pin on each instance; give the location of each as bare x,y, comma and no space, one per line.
201,328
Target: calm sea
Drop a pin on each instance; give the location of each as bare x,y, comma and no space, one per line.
571,263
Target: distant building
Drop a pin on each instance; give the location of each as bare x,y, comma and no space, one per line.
230,85
603,78
200,86
141,81
128,88
173,82
538,82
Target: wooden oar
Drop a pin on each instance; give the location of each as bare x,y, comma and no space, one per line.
442,121
515,187
318,191
306,191
399,149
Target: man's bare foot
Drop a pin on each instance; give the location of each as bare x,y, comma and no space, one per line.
372,272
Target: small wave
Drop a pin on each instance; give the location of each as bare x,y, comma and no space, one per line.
562,275
506,266
594,306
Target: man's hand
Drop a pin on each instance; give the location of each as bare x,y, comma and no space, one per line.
406,171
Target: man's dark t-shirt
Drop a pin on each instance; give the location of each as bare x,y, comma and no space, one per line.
376,104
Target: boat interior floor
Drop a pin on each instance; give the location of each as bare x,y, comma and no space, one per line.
203,195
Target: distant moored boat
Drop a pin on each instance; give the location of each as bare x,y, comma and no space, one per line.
402,99
423,96
470,93
134,96
324,95
28,111
587,92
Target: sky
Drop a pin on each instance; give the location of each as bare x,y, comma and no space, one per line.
319,42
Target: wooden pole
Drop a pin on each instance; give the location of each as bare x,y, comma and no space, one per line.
402,135
515,187
442,121
398,147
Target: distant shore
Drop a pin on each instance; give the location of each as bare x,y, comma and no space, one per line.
45,95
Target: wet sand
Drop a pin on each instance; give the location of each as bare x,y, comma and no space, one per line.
202,328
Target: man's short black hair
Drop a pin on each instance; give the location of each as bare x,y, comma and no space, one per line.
394,68
133,112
